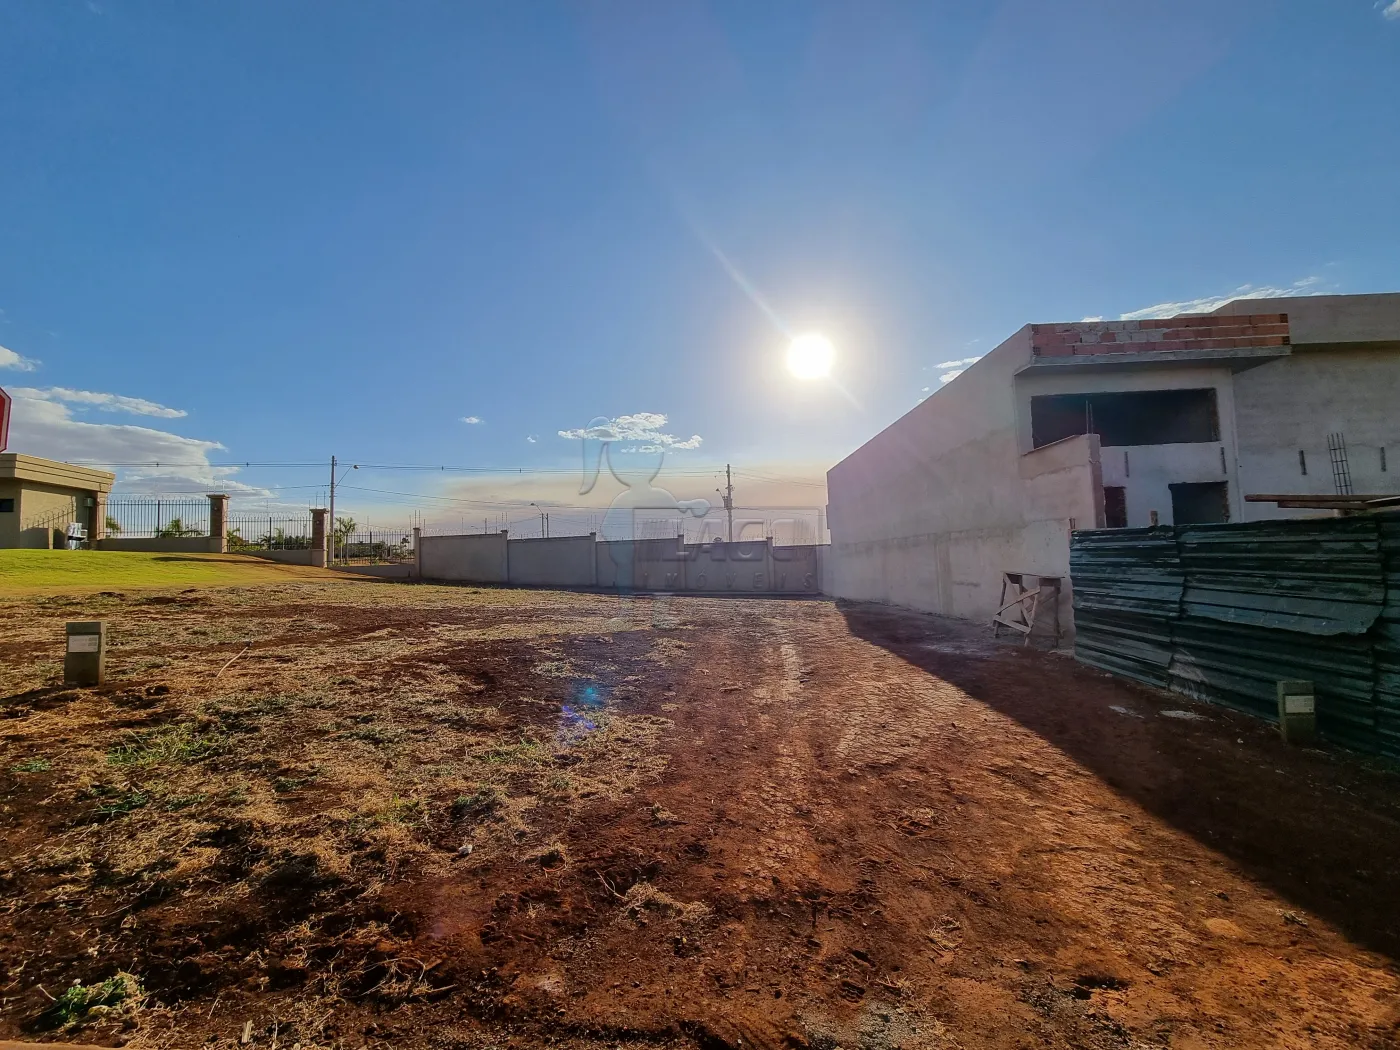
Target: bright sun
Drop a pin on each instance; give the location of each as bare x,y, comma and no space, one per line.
810,356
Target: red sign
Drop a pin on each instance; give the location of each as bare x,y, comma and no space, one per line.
4,420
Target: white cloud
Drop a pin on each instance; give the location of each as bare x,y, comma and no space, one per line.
644,427
531,438
10,359
948,377
1392,10
959,363
146,461
136,406
472,420
1307,286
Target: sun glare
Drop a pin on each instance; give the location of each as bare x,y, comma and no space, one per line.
811,356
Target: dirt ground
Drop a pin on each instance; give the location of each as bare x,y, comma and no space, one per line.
385,815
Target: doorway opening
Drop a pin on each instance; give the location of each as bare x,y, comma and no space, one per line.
1115,507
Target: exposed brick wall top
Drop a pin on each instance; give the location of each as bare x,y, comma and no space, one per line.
1204,332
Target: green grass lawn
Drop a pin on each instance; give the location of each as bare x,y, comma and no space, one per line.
28,571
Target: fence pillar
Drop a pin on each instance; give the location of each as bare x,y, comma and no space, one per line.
218,523
417,553
318,536
97,520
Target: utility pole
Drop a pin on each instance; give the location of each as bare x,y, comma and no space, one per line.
727,494
332,510
355,466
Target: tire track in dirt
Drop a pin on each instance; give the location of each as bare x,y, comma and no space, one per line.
898,849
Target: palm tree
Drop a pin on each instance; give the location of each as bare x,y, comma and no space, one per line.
176,528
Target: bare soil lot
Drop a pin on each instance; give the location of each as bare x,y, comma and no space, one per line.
382,815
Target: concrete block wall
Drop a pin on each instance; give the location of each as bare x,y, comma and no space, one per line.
749,567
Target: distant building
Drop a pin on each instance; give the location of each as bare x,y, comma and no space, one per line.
40,498
1104,424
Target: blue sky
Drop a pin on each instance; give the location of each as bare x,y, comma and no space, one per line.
270,232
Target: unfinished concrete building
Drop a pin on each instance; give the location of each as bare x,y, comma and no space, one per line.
1112,424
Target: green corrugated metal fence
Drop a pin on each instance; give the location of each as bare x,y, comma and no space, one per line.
1223,612
1387,639
1127,592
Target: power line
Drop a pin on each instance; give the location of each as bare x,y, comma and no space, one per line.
434,467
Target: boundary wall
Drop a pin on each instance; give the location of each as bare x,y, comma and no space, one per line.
746,567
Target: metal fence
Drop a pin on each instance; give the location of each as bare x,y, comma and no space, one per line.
269,534
374,546
157,518
1224,612
786,526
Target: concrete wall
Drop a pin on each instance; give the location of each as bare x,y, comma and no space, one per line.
796,568
647,565
931,511
9,520
1343,376
398,571
293,557
1295,403
474,559
163,544
566,561
45,512
740,567
1331,320
750,567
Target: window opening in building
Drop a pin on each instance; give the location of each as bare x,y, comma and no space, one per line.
1115,507
1133,417
1200,502
7,506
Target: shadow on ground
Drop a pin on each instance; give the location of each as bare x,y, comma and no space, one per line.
1318,827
